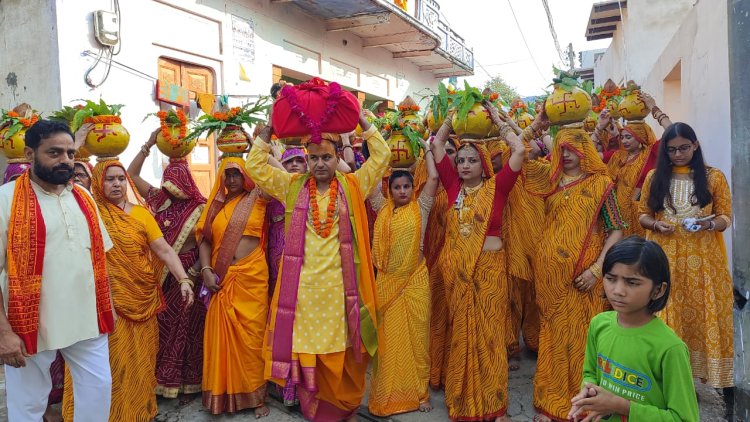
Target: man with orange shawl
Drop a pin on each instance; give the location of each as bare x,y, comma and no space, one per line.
582,222
322,327
232,241
57,288
473,265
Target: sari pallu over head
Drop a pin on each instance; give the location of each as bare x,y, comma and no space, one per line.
573,233
177,205
233,234
133,268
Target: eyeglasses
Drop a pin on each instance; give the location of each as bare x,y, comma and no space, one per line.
682,149
80,176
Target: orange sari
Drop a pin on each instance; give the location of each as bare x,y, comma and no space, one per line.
236,318
439,328
134,274
577,216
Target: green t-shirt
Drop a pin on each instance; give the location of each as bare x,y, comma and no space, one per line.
648,365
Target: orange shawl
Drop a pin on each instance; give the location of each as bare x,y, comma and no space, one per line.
26,242
134,269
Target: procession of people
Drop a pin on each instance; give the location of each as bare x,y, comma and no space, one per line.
600,252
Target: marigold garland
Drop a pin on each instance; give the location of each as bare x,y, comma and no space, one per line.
103,119
28,122
166,128
409,108
323,229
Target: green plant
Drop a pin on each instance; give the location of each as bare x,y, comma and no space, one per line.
392,123
66,114
92,109
15,122
249,113
565,80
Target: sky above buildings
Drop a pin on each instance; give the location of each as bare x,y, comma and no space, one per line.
489,27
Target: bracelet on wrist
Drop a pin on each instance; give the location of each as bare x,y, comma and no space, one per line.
192,272
711,225
596,270
347,146
653,228
187,281
207,267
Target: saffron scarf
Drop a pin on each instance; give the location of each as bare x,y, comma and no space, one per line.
26,243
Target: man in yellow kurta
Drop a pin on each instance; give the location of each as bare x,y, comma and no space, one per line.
322,327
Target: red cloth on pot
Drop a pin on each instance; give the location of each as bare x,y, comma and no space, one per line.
312,108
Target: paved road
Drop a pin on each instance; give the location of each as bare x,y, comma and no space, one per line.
519,409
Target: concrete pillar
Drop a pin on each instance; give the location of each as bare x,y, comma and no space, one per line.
739,79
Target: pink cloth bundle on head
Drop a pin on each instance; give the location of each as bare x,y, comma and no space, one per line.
291,153
14,170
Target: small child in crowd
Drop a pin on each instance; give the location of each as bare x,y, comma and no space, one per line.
636,368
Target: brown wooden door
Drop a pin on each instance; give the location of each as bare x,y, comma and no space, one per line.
196,79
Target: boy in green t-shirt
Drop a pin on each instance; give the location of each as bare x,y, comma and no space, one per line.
635,368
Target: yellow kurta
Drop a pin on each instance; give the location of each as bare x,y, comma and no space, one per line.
326,359
700,302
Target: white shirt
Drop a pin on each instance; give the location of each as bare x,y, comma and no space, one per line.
67,307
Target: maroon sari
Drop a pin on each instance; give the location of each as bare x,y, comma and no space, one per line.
177,205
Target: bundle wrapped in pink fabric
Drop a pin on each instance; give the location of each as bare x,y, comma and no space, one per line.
312,108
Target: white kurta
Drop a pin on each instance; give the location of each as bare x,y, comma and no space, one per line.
67,308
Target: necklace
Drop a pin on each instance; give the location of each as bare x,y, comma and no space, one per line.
123,205
681,169
568,182
464,204
323,229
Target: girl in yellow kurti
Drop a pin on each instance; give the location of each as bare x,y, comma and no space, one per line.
134,270
400,369
231,240
627,166
700,305
581,223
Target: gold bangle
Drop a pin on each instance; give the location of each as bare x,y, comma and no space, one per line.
191,271
596,270
187,281
207,267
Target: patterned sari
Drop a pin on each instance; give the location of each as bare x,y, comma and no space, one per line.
134,273
476,291
626,172
577,217
177,206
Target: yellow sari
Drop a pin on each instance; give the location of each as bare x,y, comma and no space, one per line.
439,328
700,302
577,216
236,318
400,370
134,274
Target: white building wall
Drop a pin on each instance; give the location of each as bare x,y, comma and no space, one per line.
689,79
198,32
646,26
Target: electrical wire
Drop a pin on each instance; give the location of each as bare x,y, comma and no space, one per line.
106,52
518,25
553,32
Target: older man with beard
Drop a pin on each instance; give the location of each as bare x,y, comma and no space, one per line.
56,294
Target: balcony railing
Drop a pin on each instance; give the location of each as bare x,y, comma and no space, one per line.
428,12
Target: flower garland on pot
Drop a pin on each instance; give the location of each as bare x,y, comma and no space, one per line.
249,113
14,122
316,128
167,121
92,112
323,229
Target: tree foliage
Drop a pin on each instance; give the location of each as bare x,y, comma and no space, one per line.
505,91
